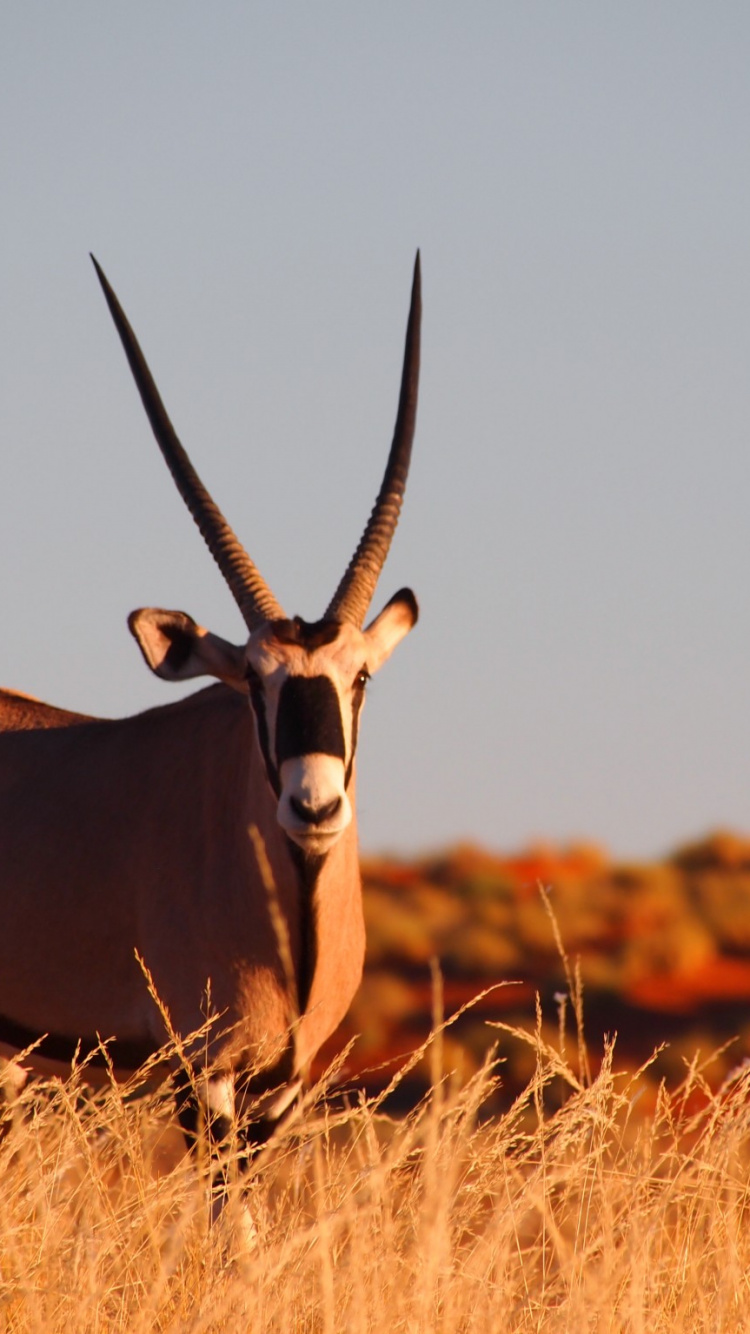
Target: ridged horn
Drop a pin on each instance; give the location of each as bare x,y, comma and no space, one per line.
250,591
354,594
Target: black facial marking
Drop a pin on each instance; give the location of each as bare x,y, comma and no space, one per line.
308,719
257,699
309,634
358,698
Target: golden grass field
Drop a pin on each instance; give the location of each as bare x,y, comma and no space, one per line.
588,1205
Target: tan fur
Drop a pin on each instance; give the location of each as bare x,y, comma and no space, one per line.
19,712
133,835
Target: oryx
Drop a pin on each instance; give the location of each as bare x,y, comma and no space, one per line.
134,836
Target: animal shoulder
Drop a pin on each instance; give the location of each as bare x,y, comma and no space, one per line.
24,713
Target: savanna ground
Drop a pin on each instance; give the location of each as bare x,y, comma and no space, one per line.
588,1195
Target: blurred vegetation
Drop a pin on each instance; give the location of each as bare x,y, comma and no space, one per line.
663,951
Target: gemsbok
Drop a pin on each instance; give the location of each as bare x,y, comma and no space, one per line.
136,838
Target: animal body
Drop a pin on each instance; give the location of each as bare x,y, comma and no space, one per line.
136,836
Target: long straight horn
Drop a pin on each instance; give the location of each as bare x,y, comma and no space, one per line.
251,593
353,595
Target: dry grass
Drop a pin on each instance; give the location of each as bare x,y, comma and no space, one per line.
575,1211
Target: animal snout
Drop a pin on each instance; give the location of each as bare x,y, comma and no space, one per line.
314,809
315,815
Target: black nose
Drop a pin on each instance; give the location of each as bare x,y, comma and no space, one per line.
314,814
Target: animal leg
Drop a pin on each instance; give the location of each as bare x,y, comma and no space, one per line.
209,1102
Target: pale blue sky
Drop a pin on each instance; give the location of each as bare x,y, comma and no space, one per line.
255,180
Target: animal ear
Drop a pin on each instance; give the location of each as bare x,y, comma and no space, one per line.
388,629
176,649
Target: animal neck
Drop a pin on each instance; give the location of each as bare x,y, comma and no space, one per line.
308,871
333,941
320,902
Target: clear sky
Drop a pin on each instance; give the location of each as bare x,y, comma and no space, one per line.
255,179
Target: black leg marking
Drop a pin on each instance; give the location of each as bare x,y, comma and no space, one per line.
250,1136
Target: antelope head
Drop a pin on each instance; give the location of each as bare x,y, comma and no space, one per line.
305,680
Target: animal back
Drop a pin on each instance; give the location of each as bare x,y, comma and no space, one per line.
24,713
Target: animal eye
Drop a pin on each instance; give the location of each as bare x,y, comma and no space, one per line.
361,679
